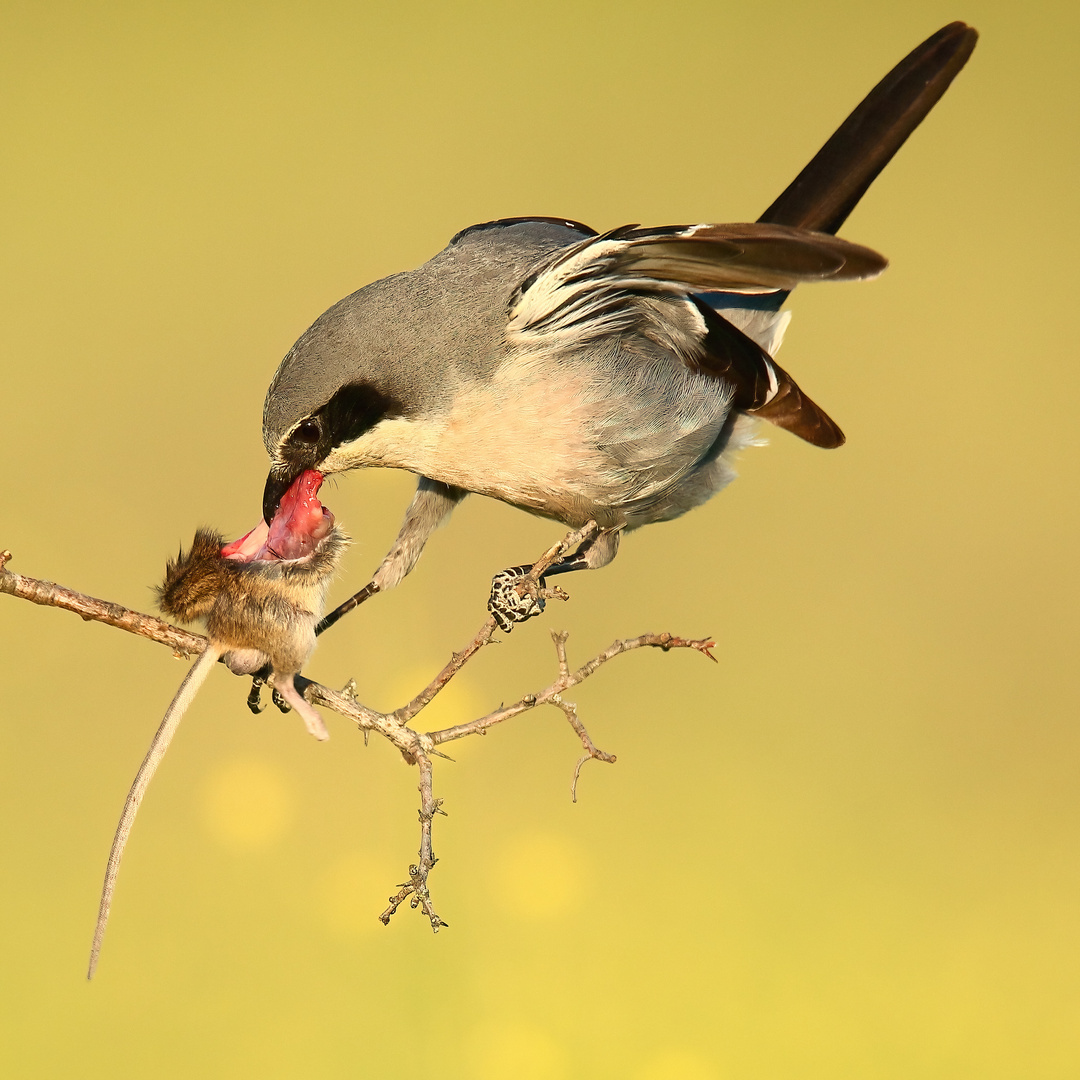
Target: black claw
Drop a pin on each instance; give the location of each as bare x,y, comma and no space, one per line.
280,702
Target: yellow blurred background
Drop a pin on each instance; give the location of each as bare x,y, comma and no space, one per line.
850,850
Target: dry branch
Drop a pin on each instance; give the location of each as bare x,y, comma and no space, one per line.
49,594
417,748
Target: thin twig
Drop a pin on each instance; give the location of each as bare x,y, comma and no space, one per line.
565,681
530,582
49,594
417,748
417,886
456,662
570,712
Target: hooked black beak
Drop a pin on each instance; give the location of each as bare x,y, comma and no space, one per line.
277,483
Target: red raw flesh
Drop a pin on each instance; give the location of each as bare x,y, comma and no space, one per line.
299,524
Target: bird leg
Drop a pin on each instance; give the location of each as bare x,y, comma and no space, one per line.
510,604
430,508
368,591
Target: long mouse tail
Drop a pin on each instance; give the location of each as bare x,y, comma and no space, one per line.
826,191
173,715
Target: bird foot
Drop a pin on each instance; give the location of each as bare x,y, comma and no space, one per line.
513,600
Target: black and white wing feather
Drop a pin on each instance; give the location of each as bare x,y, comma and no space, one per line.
594,288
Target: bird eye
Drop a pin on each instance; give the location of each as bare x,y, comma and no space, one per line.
308,432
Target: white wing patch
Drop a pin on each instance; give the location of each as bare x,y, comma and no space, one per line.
593,288
583,295
578,297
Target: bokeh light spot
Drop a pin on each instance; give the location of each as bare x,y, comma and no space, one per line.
540,876
518,1051
247,805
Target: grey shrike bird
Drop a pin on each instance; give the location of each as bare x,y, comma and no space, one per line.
581,375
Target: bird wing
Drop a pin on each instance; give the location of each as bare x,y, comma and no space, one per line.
594,288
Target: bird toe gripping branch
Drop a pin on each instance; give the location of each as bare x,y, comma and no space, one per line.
514,599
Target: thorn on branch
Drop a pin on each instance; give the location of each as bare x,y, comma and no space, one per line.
348,691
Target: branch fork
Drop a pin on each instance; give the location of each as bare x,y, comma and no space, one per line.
417,748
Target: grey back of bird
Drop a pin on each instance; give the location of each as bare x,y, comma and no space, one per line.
585,376
618,427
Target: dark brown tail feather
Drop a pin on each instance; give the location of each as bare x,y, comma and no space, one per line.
792,410
744,364
826,191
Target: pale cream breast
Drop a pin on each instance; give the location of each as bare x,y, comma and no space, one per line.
524,437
